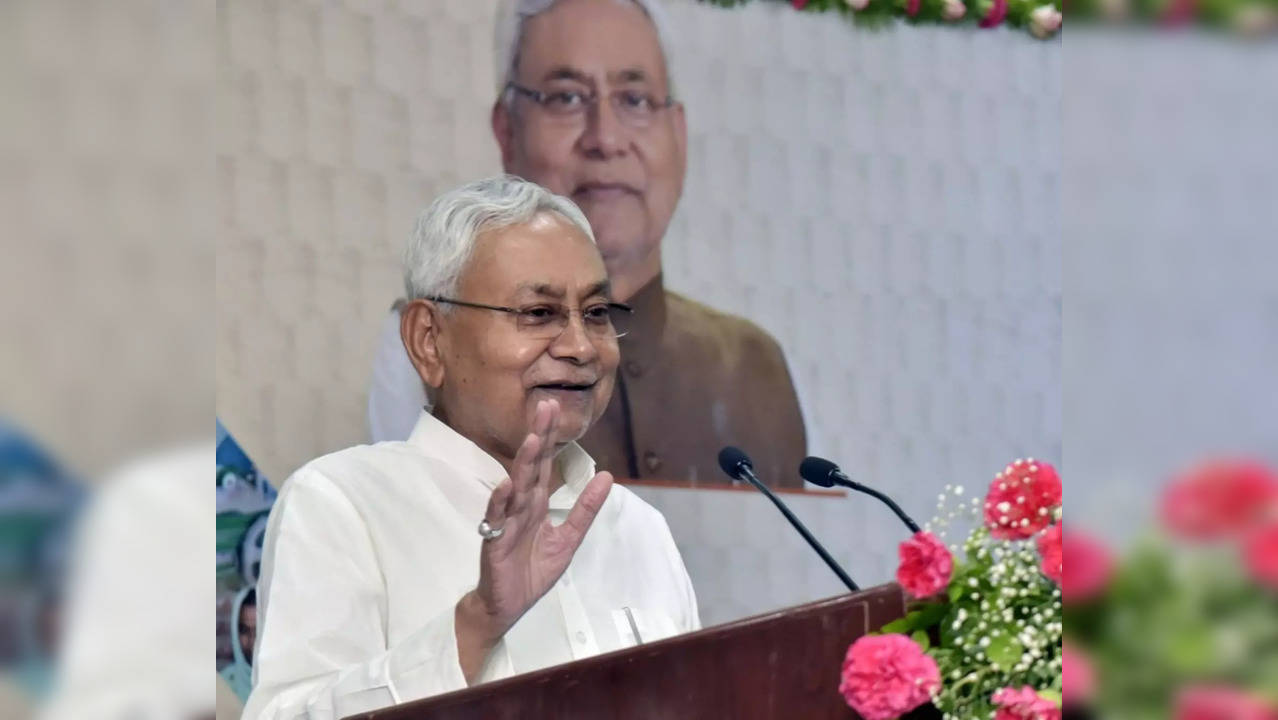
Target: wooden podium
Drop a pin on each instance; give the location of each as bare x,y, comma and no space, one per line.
780,665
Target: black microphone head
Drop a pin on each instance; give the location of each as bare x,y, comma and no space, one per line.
731,460
817,471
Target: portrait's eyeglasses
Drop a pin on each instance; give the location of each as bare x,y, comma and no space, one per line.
546,321
633,107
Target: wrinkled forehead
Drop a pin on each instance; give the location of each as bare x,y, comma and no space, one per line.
600,39
547,256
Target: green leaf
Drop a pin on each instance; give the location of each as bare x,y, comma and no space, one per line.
1050,695
1005,650
920,637
1190,650
903,625
930,614
924,617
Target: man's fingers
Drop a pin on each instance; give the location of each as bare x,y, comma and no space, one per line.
588,505
541,418
497,503
547,461
523,472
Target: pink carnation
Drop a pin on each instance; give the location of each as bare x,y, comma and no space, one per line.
1087,569
1221,703
1260,554
886,676
1078,679
1052,552
1024,704
1220,499
926,565
1021,500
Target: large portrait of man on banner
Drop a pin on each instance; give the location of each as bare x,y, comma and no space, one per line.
586,106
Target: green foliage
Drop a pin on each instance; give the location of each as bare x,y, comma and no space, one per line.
922,617
1218,14
1001,626
1174,616
882,13
998,626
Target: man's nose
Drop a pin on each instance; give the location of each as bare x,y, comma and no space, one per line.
604,135
575,343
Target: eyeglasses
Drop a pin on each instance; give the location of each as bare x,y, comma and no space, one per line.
633,107
547,321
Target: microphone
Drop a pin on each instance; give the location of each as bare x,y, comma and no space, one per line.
820,471
737,465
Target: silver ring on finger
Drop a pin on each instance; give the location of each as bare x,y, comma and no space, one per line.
488,532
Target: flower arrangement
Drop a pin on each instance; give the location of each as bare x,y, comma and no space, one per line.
1041,18
1185,623
982,635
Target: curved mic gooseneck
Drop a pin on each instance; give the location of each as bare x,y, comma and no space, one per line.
820,471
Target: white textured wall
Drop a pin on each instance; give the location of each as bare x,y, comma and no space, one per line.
885,203
1171,324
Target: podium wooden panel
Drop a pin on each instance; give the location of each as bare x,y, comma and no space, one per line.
783,664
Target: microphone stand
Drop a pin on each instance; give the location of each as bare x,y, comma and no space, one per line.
909,522
745,470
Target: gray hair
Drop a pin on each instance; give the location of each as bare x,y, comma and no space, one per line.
445,232
509,36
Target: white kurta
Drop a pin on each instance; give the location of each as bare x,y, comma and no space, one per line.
368,550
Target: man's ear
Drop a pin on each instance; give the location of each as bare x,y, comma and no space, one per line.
504,133
419,329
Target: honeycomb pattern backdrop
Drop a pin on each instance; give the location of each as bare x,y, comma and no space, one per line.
1172,315
885,203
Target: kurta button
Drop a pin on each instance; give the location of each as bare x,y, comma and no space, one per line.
633,369
652,460
581,637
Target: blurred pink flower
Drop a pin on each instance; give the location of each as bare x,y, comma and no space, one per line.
926,565
995,11
1078,679
1220,499
1217,702
1178,12
1053,554
1087,569
1045,21
953,10
1260,554
886,676
1024,704
1021,500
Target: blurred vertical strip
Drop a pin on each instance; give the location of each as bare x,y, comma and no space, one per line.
1170,362
1171,246
107,323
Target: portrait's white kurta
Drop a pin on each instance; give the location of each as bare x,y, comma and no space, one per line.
369,549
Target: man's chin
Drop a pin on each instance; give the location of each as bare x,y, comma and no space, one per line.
575,411
617,230
570,430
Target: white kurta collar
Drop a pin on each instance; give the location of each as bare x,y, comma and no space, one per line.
437,440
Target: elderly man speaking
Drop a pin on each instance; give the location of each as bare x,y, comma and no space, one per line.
486,544
586,108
